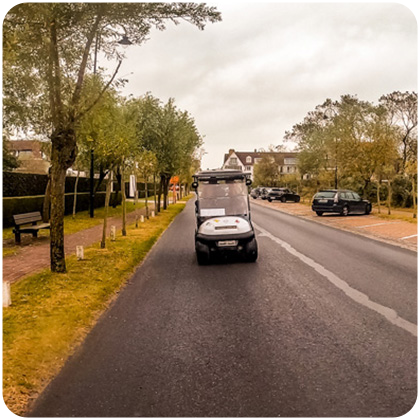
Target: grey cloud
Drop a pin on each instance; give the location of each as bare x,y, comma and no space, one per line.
249,78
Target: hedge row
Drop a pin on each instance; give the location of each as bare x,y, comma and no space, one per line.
17,184
18,205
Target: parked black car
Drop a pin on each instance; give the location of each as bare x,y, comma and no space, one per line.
343,202
282,194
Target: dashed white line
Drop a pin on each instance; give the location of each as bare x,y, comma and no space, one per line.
359,297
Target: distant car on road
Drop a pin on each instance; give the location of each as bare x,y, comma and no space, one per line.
283,195
343,202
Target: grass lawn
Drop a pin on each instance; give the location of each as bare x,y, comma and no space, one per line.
52,313
80,222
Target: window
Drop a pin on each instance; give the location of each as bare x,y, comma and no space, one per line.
290,161
356,196
247,168
248,159
233,161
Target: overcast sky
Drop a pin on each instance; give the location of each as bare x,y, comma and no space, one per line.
250,78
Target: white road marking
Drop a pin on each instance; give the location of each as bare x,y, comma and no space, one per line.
407,237
359,297
377,224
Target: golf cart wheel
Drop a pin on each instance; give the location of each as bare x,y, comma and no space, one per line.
269,200
368,208
283,199
297,199
319,213
251,251
203,254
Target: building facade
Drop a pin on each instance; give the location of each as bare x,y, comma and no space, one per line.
245,161
30,155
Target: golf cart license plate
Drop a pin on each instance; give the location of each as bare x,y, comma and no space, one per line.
227,243
323,200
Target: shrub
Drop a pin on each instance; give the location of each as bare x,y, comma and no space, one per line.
18,205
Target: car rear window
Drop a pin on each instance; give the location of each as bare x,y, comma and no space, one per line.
325,194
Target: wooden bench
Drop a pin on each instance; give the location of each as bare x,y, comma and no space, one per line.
23,220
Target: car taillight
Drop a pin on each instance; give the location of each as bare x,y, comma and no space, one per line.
336,198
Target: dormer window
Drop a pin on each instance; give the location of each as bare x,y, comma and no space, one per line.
248,159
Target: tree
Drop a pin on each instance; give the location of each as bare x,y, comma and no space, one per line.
402,112
147,165
10,161
170,134
266,171
48,46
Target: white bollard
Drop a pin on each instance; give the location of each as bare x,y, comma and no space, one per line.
153,213
142,218
113,233
80,252
7,300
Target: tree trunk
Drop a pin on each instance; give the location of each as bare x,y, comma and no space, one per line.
47,200
75,194
378,196
63,155
413,183
389,196
107,198
123,202
159,194
154,190
115,199
146,198
165,192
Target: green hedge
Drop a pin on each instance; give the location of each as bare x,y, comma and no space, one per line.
16,184
19,205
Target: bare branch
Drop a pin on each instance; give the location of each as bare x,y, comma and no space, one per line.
84,112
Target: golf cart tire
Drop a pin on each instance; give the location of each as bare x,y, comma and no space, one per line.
203,254
251,251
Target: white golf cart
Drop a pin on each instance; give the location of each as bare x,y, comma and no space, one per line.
223,216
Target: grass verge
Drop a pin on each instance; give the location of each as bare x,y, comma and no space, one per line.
81,221
52,313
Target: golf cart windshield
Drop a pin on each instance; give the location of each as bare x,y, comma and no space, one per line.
222,198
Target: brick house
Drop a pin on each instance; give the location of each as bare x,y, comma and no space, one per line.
245,161
30,155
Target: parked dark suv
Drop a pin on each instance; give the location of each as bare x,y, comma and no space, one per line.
282,194
340,201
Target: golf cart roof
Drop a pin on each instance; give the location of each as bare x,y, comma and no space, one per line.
221,174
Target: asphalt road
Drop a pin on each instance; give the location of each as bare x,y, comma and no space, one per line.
323,324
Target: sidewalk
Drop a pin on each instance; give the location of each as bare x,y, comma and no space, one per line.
393,231
37,256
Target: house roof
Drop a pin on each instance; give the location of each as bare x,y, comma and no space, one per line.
21,145
242,156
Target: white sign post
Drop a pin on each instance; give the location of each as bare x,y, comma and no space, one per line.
7,300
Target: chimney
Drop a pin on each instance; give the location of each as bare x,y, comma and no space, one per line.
255,150
231,151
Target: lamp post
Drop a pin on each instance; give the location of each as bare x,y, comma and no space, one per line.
125,42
